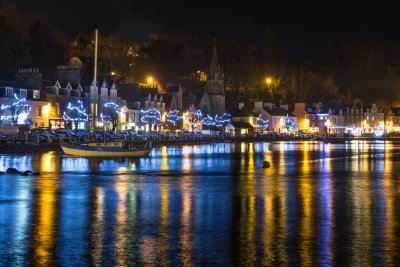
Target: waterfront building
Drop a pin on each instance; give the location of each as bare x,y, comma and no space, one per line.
33,112
243,121
280,119
133,118
392,122
59,96
107,95
302,115
374,119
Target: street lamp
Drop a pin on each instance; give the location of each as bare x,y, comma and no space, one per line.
268,81
150,80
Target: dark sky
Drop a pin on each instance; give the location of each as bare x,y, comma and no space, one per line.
303,25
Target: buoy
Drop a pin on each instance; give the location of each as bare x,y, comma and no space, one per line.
266,164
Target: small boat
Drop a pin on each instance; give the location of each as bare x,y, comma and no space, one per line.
107,149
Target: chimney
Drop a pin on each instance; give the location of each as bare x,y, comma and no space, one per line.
268,105
258,106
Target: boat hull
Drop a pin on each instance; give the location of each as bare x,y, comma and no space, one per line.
88,152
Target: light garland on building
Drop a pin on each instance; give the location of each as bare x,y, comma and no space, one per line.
81,112
173,117
222,120
150,116
379,132
106,118
208,121
193,117
288,123
18,110
262,124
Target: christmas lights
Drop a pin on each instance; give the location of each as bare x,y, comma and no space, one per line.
208,121
222,120
18,110
114,111
193,117
173,117
288,123
379,132
150,116
76,113
261,124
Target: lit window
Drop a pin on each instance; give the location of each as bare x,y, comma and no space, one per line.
9,91
22,93
36,94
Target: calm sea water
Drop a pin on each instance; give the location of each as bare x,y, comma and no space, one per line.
320,204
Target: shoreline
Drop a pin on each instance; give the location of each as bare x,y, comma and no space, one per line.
32,148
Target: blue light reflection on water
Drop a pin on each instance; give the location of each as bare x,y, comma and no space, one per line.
321,204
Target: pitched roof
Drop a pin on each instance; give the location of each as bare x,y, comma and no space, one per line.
242,125
279,112
173,88
243,112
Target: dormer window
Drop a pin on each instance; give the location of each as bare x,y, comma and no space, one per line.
36,94
22,93
9,91
113,94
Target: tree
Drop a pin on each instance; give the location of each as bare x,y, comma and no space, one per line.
111,114
208,121
150,116
14,52
173,118
261,124
17,110
223,120
193,117
75,113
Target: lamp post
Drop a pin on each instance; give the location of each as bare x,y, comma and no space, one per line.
268,82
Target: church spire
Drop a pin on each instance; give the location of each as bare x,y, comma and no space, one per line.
215,71
214,67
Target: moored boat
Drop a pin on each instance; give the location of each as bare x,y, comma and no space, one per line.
107,149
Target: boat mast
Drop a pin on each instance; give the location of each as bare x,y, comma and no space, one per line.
95,111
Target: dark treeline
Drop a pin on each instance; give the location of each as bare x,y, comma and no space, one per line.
365,70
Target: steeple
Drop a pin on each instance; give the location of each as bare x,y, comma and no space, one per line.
215,71
214,67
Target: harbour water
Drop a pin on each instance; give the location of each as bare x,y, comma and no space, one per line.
214,204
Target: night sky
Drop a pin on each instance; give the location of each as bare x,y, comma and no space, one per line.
300,26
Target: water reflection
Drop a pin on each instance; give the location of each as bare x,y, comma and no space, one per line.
45,221
318,204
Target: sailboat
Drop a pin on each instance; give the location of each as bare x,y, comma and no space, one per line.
106,148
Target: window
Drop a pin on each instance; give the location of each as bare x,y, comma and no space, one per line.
9,91
113,94
39,111
22,93
36,94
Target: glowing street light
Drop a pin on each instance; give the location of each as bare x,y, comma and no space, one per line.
150,80
268,81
